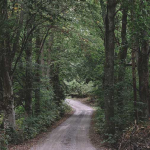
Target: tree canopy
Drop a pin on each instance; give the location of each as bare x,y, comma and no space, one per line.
50,50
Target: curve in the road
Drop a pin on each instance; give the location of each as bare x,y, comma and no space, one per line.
73,134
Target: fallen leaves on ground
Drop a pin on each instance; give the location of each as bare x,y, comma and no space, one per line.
137,137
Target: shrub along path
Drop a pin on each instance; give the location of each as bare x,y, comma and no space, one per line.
73,134
30,143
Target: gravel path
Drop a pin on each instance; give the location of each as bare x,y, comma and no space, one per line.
71,134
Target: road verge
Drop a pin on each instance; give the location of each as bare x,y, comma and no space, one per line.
30,143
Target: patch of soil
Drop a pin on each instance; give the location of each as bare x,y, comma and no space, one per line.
30,143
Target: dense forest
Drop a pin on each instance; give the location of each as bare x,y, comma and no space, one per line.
52,49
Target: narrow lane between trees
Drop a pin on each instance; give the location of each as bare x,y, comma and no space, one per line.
73,134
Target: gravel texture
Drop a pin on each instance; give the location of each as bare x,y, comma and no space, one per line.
73,134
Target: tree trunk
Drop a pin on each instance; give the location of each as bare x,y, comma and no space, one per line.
9,121
42,62
6,78
37,77
49,53
55,82
6,89
143,58
1,83
134,50
28,82
37,90
109,66
122,58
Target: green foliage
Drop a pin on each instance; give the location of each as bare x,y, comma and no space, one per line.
64,108
122,118
3,141
30,127
100,119
79,88
69,56
1,119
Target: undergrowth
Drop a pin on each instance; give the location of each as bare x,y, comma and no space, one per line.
30,127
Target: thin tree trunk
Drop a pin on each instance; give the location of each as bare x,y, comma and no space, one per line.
37,90
134,50
109,66
42,62
122,58
28,82
1,84
133,55
143,58
49,53
38,77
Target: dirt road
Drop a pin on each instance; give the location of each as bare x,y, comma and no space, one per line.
72,134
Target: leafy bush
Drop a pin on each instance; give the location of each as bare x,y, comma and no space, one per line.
3,141
79,88
100,120
30,127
